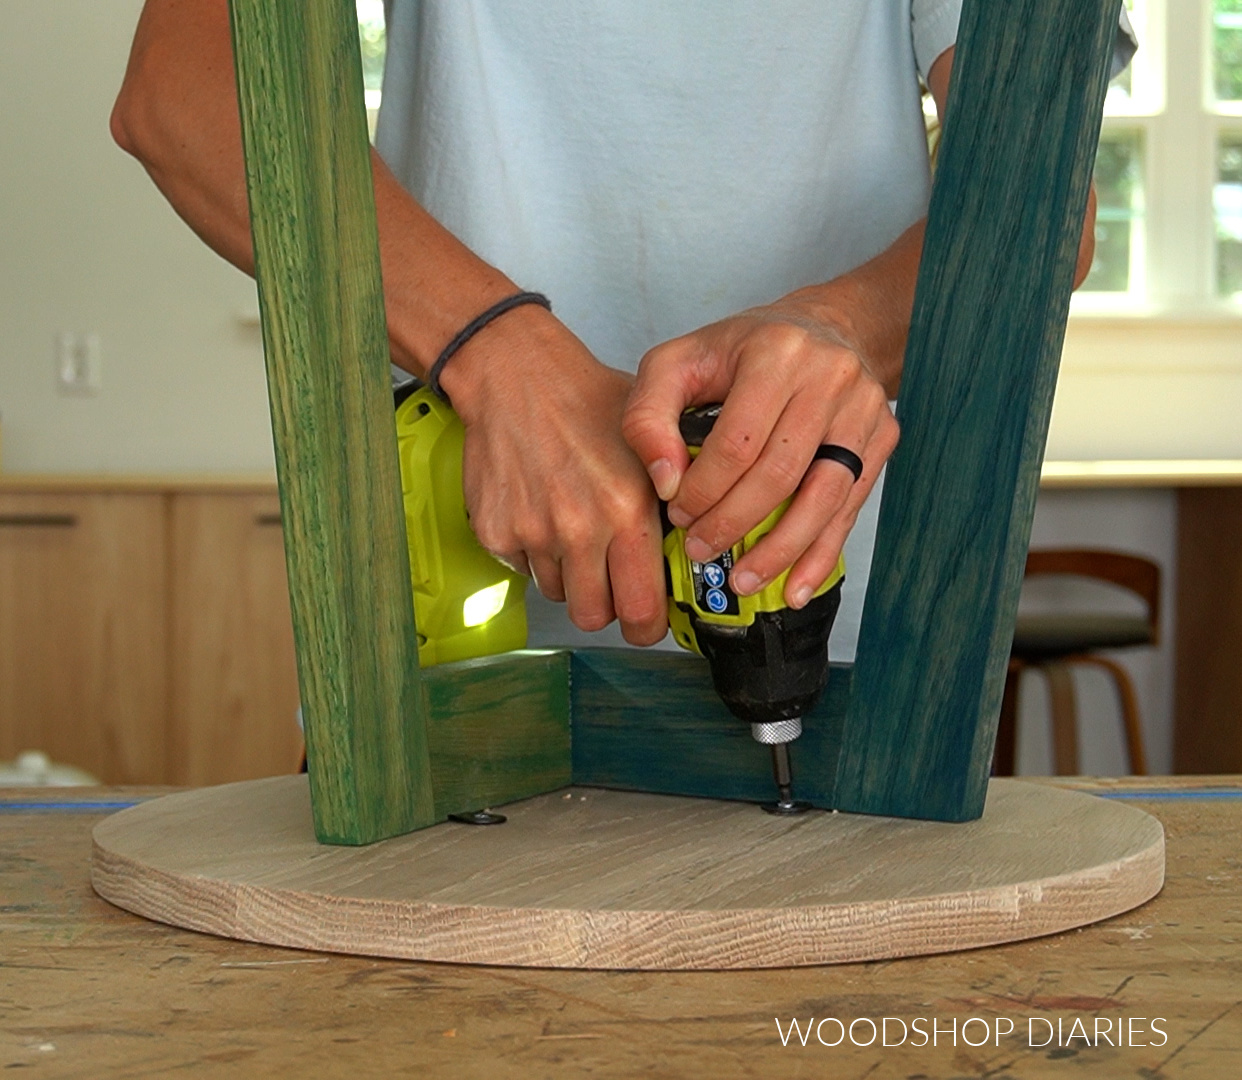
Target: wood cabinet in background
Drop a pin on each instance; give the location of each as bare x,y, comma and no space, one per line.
144,629
83,612
1208,698
233,676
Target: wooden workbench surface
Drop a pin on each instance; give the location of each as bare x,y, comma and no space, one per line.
87,990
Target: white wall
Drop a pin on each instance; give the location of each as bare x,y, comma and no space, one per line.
88,244
1149,388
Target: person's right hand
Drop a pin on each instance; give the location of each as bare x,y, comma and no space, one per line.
551,487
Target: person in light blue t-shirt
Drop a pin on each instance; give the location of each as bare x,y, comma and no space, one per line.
731,192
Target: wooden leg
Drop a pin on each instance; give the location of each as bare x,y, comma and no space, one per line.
1135,748
976,394
316,250
1005,757
1064,718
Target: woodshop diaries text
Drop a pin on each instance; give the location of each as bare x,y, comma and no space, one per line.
975,1031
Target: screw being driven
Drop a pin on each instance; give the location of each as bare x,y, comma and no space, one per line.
785,803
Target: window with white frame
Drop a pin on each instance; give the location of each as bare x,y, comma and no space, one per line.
1169,169
1227,193
372,38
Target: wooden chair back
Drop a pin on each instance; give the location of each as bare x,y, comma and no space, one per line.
1131,572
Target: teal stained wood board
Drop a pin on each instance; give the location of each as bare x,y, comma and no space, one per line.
1006,213
316,251
652,721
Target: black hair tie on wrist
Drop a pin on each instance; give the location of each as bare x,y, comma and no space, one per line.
473,327
842,456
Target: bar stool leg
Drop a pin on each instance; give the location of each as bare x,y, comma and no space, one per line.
1064,718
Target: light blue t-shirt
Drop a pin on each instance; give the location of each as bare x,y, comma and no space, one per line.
654,166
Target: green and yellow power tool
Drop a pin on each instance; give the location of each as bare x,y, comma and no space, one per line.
769,662
466,604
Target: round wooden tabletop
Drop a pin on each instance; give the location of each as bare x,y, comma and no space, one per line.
606,879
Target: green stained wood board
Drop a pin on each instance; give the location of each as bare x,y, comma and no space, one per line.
316,254
498,729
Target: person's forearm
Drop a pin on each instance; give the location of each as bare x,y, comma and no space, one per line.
177,113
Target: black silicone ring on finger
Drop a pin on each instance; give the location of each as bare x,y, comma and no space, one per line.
842,456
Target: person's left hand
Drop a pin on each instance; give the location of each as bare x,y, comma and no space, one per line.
790,380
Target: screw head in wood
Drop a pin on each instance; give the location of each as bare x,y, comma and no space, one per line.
479,817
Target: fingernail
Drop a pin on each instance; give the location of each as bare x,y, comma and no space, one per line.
746,582
697,549
679,517
664,477
801,595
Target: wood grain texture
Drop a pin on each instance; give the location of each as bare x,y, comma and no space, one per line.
1208,692
119,996
605,879
234,678
83,603
317,263
652,721
993,293
498,729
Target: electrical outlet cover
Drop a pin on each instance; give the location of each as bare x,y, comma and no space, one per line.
78,363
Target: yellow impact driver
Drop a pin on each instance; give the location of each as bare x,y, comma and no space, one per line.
769,661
